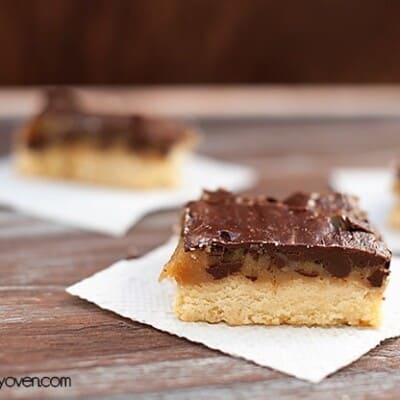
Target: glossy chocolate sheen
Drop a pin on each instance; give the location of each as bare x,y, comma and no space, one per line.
328,229
63,120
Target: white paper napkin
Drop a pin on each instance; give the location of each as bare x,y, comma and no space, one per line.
114,211
374,186
130,288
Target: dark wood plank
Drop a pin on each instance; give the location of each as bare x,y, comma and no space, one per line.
44,331
198,41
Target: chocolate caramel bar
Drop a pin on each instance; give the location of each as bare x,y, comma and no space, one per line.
312,259
394,217
67,141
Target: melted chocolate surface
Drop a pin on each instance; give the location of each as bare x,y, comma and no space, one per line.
327,229
63,120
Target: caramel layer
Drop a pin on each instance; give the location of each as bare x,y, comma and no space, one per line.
198,266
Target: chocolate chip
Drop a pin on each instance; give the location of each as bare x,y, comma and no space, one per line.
376,278
338,266
223,269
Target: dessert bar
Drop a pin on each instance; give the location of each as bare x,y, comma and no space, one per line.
394,218
312,259
66,141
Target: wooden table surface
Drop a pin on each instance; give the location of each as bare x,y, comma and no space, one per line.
46,332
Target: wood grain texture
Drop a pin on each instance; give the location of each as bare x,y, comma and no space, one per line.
198,41
44,331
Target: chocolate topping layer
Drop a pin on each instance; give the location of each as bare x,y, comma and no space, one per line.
63,120
327,229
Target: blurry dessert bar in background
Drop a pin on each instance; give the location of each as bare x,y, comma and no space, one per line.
66,141
394,218
312,259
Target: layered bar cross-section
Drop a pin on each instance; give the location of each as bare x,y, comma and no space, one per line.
67,141
394,217
312,259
